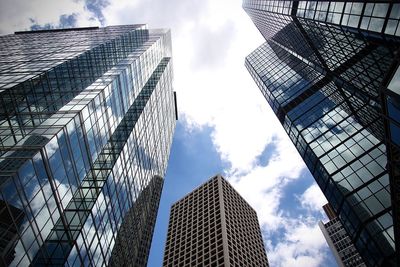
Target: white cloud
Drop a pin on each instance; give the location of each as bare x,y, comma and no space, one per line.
219,94
263,187
302,245
120,11
17,15
313,199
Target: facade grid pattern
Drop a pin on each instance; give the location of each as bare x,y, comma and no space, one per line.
245,243
339,241
332,78
84,137
214,226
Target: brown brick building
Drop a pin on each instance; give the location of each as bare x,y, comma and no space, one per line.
214,226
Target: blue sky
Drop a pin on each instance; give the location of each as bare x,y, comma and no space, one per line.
225,125
194,159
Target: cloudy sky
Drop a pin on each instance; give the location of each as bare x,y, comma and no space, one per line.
225,125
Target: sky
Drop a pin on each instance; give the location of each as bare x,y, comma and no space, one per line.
225,125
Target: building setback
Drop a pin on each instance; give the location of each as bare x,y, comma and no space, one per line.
87,117
344,251
330,72
214,226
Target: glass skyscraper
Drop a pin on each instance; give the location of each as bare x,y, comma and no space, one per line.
346,255
330,72
133,242
87,117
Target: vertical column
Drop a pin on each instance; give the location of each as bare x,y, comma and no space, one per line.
223,223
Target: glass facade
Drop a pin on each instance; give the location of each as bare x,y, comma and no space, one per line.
87,117
339,242
136,232
328,71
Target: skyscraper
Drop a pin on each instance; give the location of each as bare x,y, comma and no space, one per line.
330,72
343,249
132,245
87,119
214,226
